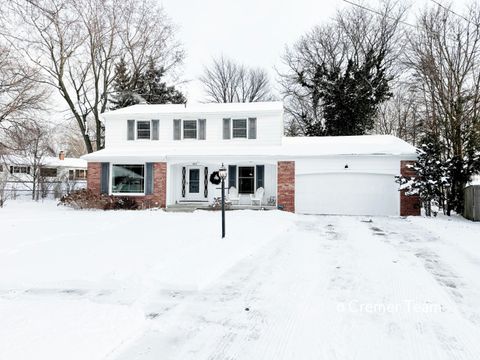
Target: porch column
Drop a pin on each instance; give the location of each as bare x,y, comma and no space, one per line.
286,185
409,205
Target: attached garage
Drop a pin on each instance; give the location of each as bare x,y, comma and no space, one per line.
350,175
347,194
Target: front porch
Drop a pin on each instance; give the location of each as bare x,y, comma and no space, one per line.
190,184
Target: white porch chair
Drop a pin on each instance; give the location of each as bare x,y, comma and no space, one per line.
233,195
258,196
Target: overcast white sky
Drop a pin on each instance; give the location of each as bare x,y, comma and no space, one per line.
253,32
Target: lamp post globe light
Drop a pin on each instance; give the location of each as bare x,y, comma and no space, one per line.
222,172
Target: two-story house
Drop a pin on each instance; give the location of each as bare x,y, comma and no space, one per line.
164,155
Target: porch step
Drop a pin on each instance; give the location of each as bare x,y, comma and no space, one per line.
180,209
186,207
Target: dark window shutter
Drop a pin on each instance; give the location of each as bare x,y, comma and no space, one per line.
205,182
105,178
131,130
260,176
226,128
252,128
201,129
184,180
232,176
177,124
149,179
155,129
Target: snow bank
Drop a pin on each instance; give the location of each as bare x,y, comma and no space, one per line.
78,284
44,246
65,329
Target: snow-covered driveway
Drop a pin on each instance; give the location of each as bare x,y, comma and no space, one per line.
299,287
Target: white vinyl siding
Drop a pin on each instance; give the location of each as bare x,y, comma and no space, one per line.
269,131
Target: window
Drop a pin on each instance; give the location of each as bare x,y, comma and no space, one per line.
48,172
143,130
246,179
81,174
239,128
190,129
19,169
128,178
77,174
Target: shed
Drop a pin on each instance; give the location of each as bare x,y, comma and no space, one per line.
472,202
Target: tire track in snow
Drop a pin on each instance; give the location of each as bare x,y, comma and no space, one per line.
291,288
455,330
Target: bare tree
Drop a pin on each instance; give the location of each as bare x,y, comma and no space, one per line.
401,116
225,81
27,146
76,43
444,56
20,92
358,40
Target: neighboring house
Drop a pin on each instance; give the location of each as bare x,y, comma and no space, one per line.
55,176
164,155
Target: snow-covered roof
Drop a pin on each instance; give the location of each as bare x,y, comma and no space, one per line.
51,161
198,108
348,145
67,162
291,147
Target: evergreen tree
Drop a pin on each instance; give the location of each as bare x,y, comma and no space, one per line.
148,86
123,84
154,90
431,178
351,99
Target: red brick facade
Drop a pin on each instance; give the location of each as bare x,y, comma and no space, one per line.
157,199
409,205
94,174
286,185
159,196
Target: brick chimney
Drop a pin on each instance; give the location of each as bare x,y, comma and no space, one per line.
61,155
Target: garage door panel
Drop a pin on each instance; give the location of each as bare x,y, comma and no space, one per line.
346,194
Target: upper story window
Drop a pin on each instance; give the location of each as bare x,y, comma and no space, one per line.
239,128
190,129
143,129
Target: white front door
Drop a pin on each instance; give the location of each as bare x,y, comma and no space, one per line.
194,189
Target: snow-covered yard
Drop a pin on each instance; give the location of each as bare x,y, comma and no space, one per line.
150,285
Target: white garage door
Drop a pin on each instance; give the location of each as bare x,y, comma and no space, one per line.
346,194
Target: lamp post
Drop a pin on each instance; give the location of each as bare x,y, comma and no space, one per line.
222,172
